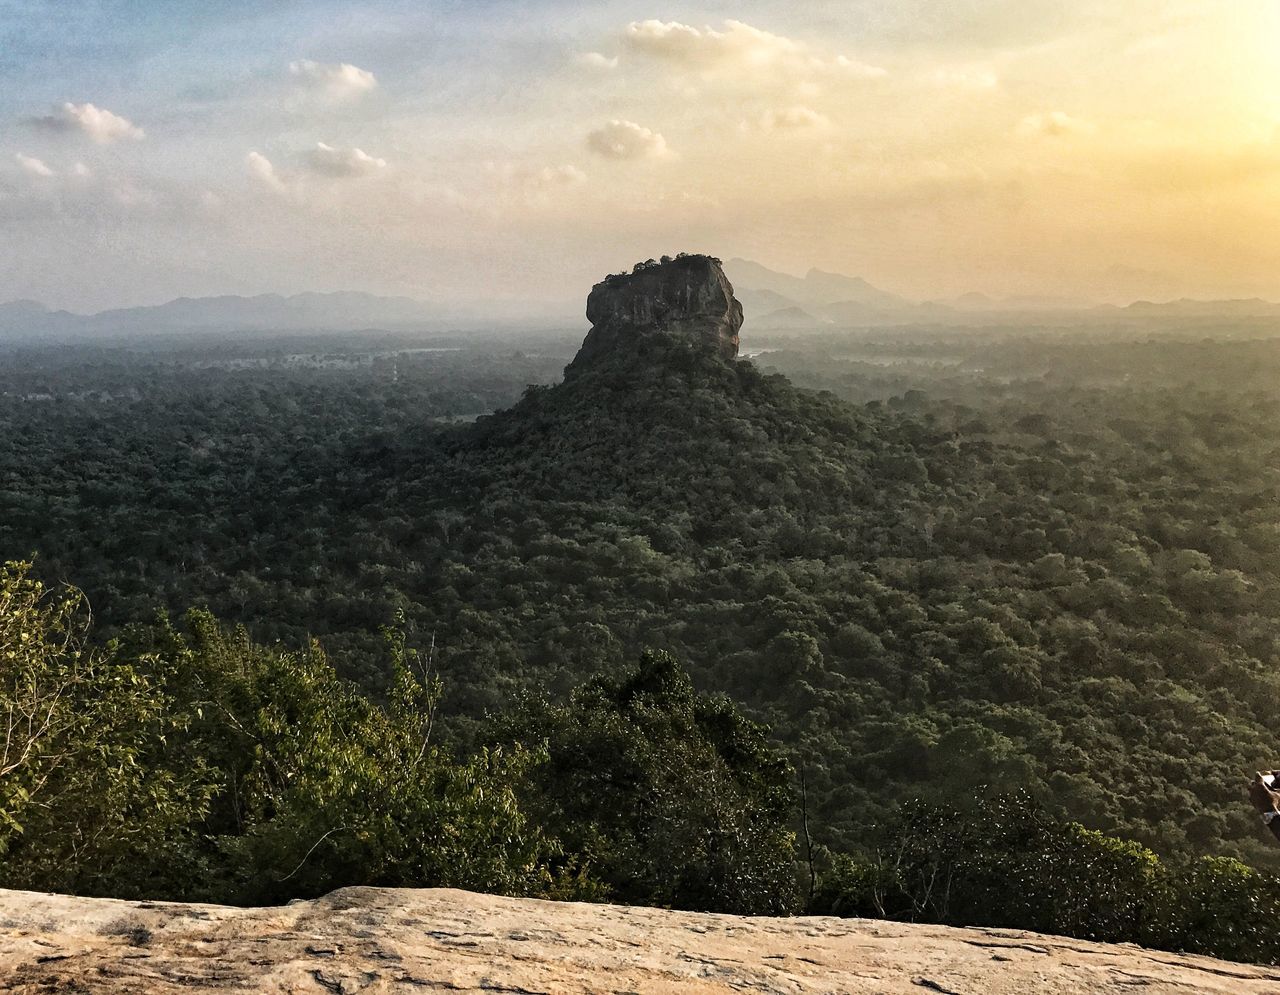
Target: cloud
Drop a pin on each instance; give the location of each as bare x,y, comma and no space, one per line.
738,46
1054,124
705,46
853,67
324,160
336,162
40,169
558,176
98,123
516,175
795,118
594,60
75,191
32,166
627,140
522,186
261,168
339,80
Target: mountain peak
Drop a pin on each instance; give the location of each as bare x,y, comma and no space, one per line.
686,299
769,290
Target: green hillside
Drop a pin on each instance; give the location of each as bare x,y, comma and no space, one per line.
1058,588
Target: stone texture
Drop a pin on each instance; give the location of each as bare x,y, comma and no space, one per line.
687,298
382,940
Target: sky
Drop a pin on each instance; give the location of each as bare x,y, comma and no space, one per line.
494,152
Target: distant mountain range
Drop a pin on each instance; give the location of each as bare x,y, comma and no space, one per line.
342,311
772,301
779,301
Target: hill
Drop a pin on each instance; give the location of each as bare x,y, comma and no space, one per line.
814,289
788,317
1051,587
386,940
29,321
903,602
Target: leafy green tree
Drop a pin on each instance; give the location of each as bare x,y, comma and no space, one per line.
89,798
1001,862
670,797
1219,907
324,788
197,764
1004,861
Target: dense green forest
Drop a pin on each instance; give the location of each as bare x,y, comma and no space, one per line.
186,762
998,561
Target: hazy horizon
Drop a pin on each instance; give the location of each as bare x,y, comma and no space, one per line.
517,152
555,311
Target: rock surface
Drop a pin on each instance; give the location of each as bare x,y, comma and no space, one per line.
382,940
687,298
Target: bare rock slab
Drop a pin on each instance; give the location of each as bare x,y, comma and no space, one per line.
386,940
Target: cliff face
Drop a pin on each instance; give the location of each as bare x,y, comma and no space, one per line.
686,299
374,940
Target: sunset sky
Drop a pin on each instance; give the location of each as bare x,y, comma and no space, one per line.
490,149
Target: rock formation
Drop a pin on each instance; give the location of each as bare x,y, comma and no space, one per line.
374,940
687,299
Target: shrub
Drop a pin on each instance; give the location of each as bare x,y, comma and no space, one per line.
91,798
1005,862
670,797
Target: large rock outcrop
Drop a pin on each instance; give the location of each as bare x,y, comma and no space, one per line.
687,299
373,940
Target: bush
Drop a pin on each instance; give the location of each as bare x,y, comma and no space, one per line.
195,764
1219,907
671,798
91,798
322,787
1005,862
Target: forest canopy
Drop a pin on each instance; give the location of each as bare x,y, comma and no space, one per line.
996,560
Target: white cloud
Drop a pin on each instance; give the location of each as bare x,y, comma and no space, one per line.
522,186
795,118
74,191
330,161
98,123
595,60
627,140
738,47
300,185
33,166
1054,124
261,168
700,46
335,79
854,67
559,176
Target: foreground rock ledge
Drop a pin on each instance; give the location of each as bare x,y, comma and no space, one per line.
385,940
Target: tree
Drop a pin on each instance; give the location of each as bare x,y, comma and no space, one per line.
328,788
88,798
670,797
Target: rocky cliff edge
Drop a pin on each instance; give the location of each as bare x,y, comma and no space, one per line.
372,940
687,299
